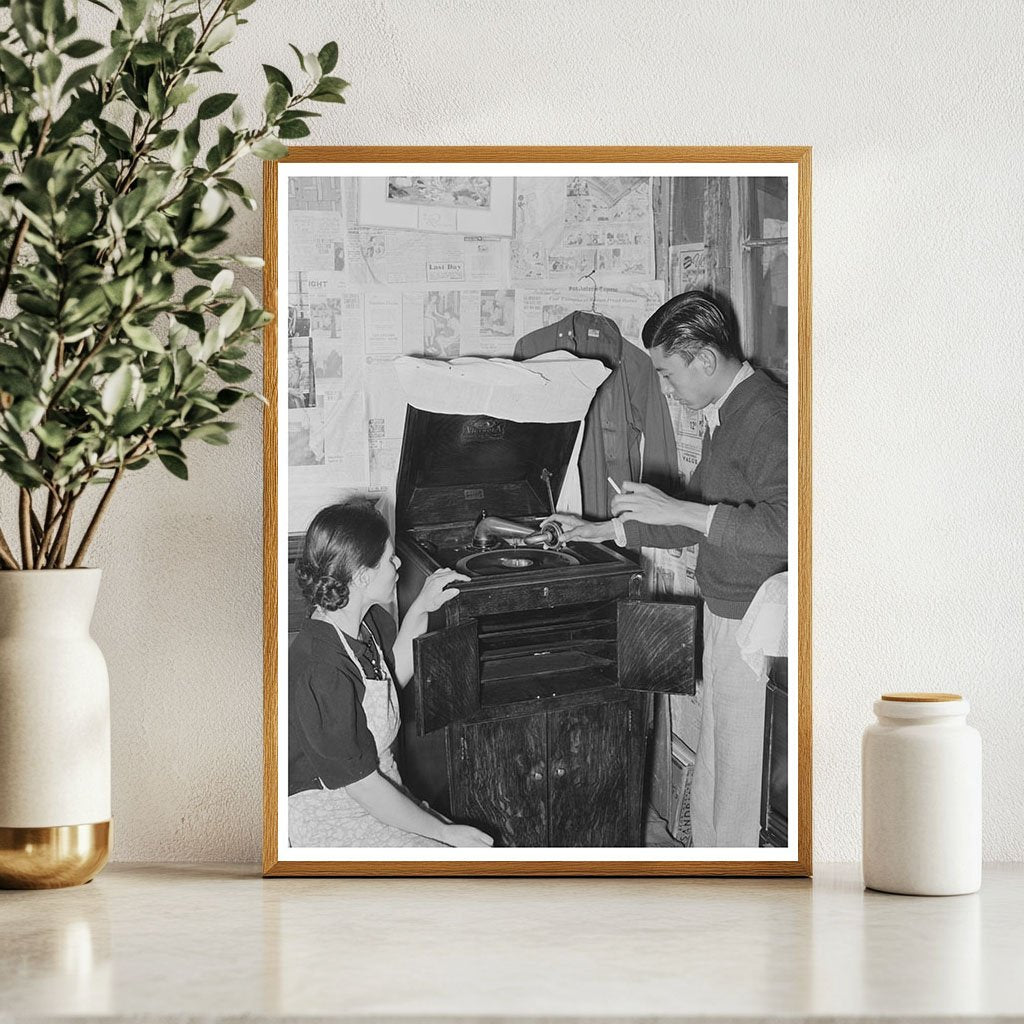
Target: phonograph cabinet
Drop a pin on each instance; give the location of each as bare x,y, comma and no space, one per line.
528,713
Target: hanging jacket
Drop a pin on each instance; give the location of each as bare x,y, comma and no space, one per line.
628,406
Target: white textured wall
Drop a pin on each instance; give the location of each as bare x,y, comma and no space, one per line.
914,113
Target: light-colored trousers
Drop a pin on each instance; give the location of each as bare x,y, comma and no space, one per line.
725,796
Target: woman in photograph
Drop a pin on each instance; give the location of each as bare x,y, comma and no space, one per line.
343,718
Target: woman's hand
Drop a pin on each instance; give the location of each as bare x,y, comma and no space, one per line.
435,593
465,835
395,806
646,504
577,528
436,590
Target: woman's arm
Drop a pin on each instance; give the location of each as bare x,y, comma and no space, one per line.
430,598
387,803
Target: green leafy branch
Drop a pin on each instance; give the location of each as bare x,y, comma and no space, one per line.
124,335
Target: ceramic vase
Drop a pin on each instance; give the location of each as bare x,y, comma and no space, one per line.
54,731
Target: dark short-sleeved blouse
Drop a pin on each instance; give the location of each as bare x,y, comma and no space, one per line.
328,738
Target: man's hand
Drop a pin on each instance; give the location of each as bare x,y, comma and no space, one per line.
646,504
578,529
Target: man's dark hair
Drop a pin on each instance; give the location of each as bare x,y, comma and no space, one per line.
689,322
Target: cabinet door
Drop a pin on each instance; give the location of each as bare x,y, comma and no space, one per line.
446,667
659,646
588,776
499,779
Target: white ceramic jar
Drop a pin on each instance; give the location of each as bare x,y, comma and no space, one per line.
921,776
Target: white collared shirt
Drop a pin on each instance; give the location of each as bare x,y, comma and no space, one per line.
711,419
711,411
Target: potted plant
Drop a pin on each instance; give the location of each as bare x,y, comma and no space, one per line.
122,339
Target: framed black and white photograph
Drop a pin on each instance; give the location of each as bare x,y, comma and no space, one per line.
537,512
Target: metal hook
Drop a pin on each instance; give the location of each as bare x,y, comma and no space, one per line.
593,280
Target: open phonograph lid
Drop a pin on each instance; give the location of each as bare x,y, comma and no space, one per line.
480,434
453,467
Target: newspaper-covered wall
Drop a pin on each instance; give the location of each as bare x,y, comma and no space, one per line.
445,267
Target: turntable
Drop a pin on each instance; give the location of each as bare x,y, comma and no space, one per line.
513,560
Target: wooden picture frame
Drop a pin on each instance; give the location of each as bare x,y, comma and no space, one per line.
449,207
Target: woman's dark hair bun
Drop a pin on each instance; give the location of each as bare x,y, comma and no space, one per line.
330,594
321,589
341,540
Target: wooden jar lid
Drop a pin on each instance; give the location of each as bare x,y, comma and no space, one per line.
921,698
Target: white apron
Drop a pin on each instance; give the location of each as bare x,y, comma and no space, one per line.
330,817
380,705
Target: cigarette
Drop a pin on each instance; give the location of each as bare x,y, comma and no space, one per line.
615,486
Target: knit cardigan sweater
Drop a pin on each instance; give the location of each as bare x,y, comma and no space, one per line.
744,470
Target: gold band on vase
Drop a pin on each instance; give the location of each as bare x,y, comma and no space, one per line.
53,857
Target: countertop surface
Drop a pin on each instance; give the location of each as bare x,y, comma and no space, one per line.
177,942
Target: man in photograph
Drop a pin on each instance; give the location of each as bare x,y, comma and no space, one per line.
736,511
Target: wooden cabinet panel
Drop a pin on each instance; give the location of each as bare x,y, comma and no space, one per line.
446,666
423,759
298,610
588,777
775,767
500,779
658,649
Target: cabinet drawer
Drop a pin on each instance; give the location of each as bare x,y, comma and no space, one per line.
475,603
